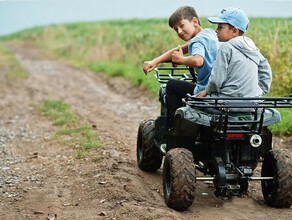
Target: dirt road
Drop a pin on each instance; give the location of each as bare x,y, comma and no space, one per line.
39,179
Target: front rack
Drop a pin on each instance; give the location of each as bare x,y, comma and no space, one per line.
164,74
223,123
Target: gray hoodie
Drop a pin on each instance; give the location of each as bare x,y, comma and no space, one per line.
240,70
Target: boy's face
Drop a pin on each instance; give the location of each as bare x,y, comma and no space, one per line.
185,29
225,33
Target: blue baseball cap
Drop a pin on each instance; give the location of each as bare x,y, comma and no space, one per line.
233,16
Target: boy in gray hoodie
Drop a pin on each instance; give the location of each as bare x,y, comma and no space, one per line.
240,69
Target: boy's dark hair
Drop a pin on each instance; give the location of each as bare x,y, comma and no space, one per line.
183,12
240,32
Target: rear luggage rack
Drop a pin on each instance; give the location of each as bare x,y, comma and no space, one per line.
239,102
224,122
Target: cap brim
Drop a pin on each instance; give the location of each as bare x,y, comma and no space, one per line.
216,20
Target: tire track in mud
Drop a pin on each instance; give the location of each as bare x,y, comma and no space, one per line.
112,185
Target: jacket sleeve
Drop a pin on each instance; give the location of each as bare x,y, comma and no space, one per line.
265,75
219,72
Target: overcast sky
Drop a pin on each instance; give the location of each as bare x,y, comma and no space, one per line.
16,15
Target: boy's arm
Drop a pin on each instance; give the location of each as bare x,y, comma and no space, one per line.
191,61
265,75
195,58
148,66
202,94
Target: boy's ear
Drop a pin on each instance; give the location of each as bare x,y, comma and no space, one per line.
235,31
195,20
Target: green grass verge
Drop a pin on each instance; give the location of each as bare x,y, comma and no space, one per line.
10,65
72,131
285,126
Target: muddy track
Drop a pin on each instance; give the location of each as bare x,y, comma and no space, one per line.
40,178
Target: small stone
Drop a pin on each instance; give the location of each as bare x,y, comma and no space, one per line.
102,214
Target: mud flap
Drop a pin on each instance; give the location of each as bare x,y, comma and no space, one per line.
220,181
162,125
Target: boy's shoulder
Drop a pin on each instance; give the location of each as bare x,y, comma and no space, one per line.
241,43
206,35
225,46
207,32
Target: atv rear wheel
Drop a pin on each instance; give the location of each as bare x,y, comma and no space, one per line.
179,176
278,192
149,158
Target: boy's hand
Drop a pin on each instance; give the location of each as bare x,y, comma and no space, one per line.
148,66
177,55
202,94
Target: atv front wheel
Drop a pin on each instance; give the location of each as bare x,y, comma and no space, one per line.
149,158
277,192
179,176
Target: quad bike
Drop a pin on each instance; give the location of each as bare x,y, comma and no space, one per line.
222,138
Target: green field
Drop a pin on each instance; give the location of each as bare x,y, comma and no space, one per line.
119,48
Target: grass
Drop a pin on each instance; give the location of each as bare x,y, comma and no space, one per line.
10,65
120,47
72,131
285,126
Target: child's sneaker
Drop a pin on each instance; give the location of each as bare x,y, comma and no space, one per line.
163,148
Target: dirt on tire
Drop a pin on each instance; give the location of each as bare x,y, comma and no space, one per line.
179,179
279,192
149,157
40,179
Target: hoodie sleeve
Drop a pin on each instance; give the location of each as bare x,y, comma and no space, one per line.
219,72
264,74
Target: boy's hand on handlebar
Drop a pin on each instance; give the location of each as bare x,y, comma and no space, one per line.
148,66
202,94
177,55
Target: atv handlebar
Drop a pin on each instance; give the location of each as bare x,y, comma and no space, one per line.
174,72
